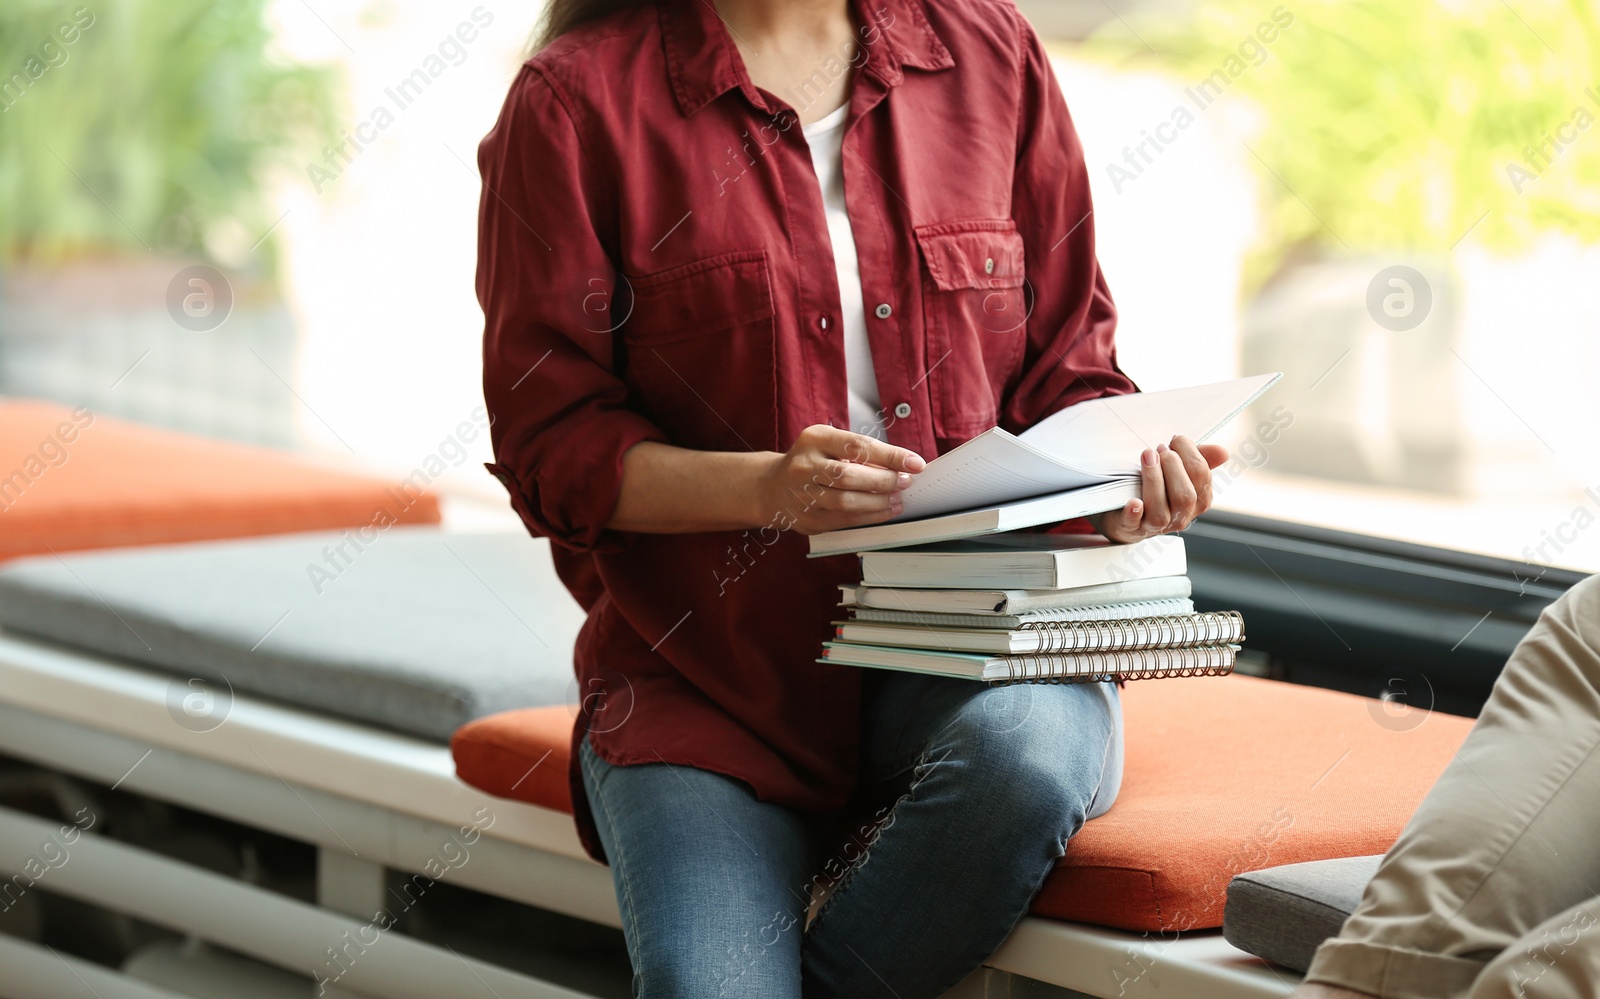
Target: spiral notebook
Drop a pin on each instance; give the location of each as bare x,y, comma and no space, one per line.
1063,667
1035,637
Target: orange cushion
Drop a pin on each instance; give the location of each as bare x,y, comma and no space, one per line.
73,479
1223,775
1232,774
521,754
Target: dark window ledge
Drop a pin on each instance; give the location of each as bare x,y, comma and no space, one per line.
1369,615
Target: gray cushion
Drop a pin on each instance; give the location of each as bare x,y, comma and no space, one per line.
1285,913
420,631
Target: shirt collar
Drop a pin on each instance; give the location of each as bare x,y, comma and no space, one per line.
703,61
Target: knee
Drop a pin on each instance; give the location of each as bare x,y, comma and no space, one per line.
1031,752
1578,609
1565,641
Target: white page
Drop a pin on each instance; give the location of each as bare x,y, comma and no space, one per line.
994,463
1091,442
1107,435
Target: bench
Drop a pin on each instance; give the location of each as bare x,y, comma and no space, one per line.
469,635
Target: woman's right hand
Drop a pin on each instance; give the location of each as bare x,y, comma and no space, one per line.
832,479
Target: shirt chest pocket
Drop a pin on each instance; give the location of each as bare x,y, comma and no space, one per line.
698,354
975,315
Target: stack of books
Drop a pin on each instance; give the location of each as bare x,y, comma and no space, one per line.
958,585
1033,607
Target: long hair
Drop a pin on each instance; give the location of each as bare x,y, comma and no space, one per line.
561,16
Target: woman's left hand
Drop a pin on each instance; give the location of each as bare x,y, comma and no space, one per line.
1176,489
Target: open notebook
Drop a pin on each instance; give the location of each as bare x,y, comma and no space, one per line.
1082,460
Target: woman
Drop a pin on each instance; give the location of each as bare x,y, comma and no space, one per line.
715,234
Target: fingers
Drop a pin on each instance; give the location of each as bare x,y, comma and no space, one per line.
1215,454
1180,491
1198,472
851,502
837,479
1126,524
1153,489
838,509
866,450
837,473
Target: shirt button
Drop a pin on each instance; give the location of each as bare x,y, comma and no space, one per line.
882,311
824,322
988,266
903,410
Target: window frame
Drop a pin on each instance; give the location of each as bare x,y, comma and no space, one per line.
1365,614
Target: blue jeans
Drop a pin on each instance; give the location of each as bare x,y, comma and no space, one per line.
985,785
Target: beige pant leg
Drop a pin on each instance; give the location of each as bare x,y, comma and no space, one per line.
1507,838
1560,959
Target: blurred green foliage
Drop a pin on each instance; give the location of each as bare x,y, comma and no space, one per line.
1401,124
135,124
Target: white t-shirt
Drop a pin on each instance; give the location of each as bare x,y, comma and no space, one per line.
826,138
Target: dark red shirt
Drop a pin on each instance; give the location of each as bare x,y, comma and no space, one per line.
654,264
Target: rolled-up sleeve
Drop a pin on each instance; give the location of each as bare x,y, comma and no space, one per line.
559,420
1070,354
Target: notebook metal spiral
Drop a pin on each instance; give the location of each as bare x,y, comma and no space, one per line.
1206,628
1119,664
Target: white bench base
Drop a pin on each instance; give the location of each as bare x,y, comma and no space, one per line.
370,800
